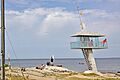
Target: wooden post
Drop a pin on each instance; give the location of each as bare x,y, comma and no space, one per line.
2,41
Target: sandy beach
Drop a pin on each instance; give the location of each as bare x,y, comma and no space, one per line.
56,73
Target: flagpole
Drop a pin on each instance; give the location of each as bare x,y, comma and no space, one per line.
2,40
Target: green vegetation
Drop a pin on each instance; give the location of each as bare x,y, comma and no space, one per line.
6,65
90,74
76,78
16,77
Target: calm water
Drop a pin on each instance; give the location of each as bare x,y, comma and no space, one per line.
103,64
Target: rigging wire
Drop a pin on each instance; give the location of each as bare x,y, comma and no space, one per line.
11,44
14,53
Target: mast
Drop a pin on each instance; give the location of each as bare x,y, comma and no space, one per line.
82,24
2,40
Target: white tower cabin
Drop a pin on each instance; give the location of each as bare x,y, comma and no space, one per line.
87,41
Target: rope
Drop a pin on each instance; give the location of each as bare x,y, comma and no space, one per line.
14,53
11,44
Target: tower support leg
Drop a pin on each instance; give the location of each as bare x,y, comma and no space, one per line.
90,61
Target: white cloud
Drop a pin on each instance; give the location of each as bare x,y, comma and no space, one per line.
109,27
61,1
50,19
95,12
45,19
100,13
56,20
20,20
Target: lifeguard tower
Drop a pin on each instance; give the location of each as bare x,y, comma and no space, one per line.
87,41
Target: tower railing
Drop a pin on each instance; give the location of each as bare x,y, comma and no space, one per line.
88,44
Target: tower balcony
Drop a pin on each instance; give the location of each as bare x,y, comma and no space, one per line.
88,44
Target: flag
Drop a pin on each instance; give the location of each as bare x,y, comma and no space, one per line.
104,41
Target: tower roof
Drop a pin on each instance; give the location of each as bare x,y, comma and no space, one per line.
87,34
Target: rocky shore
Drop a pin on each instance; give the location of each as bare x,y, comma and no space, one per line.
56,73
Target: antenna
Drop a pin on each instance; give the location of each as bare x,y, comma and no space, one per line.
82,24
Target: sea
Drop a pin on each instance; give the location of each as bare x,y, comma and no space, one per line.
75,64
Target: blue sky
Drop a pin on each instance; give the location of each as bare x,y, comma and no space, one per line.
41,28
